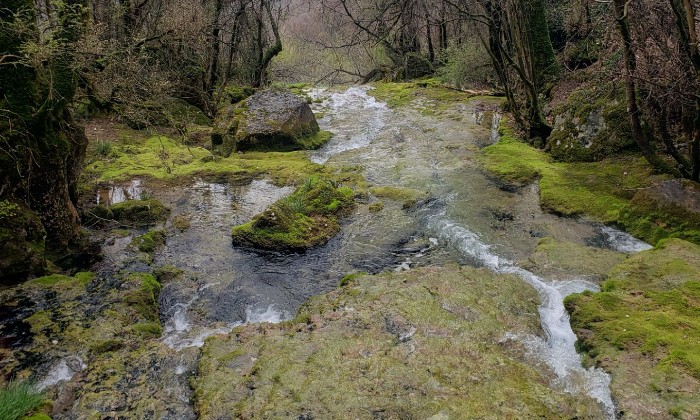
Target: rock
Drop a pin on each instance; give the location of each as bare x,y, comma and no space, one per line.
643,328
669,209
590,126
305,219
415,66
140,212
268,120
21,243
386,343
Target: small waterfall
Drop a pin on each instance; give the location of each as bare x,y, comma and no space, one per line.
349,132
557,349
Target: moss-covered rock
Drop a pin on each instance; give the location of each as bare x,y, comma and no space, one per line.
305,219
21,243
269,120
140,212
423,343
557,259
644,328
668,209
591,125
149,241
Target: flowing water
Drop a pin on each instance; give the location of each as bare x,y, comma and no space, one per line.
469,219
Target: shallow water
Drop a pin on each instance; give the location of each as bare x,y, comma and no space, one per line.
469,220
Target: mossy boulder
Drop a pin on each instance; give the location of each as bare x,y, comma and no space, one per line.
591,125
305,219
21,243
415,66
149,241
272,119
140,212
426,343
558,259
644,328
669,209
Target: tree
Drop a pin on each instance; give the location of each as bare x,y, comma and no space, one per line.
517,38
41,148
661,70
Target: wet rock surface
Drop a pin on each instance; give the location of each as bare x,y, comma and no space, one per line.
421,343
269,120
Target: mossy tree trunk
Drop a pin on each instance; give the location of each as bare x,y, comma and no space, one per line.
42,149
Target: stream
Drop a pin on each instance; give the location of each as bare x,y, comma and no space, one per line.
462,222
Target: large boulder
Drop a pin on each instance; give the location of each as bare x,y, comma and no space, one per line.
590,125
271,119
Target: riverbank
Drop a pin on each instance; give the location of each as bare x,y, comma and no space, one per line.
459,313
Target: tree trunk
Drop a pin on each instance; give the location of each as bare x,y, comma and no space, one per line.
640,138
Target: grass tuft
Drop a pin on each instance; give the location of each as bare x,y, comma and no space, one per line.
18,399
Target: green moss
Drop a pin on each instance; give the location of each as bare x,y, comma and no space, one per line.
593,124
418,344
376,207
105,346
164,158
140,212
167,273
422,93
407,196
644,327
598,189
307,218
81,279
150,241
22,242
315,141
149,329
560,259
144,296
350,278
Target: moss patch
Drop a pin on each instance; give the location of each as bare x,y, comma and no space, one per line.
644,328
161,157
593,124
602,190
150,241
561,259
307,218
140,212
422,343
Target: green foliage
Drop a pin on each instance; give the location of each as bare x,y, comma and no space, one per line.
103,148
18,399
467,65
